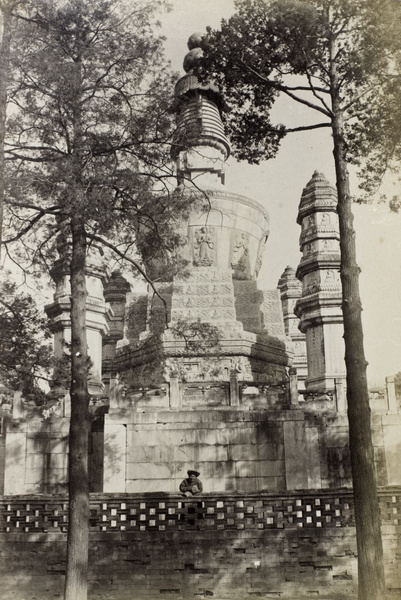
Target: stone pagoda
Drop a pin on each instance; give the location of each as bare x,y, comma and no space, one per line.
290,292
179,403
215,377
319,308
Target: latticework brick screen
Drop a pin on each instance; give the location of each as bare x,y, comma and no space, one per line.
166,513
390,506
142,513
35,515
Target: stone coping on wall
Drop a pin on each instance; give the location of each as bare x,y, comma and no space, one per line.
159,512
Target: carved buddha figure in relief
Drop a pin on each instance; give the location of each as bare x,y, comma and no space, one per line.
203,247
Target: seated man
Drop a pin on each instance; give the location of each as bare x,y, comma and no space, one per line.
192,485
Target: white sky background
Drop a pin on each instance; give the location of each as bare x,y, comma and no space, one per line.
278,184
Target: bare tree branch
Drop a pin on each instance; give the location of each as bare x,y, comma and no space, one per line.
307,127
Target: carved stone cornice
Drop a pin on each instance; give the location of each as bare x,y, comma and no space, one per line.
318,262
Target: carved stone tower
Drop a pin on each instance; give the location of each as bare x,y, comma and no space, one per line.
319,308
98,312
199,391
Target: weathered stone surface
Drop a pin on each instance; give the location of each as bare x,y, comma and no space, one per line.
114,456
14,481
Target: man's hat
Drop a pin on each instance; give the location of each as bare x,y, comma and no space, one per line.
190,472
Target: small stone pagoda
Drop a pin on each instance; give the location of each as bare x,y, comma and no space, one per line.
319,307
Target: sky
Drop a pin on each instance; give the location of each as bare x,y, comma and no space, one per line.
277,184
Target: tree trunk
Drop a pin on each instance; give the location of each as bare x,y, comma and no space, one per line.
76,582
78,533
371,584
6,13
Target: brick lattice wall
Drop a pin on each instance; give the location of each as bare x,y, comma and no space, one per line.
288,546
125,512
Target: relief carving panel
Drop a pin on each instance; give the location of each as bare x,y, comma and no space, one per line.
240,254
203,246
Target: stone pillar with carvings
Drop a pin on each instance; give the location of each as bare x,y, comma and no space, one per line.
290,292
98,312
115,295
319,308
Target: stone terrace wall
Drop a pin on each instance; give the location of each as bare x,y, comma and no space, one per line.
149,547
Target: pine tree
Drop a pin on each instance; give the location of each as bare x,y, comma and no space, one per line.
87,152
333,57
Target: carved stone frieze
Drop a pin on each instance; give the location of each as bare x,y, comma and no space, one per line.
205,395
324,218
237,198
313,202
299,348
330,276
137,394
310,234
206,275
205,315
197,369
207,295
204,289
310,248
330,246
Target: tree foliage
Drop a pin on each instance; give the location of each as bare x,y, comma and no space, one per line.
199,337
6,13
89,100
87,152
289,47
26,356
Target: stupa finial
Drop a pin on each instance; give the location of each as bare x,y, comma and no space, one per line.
198,105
